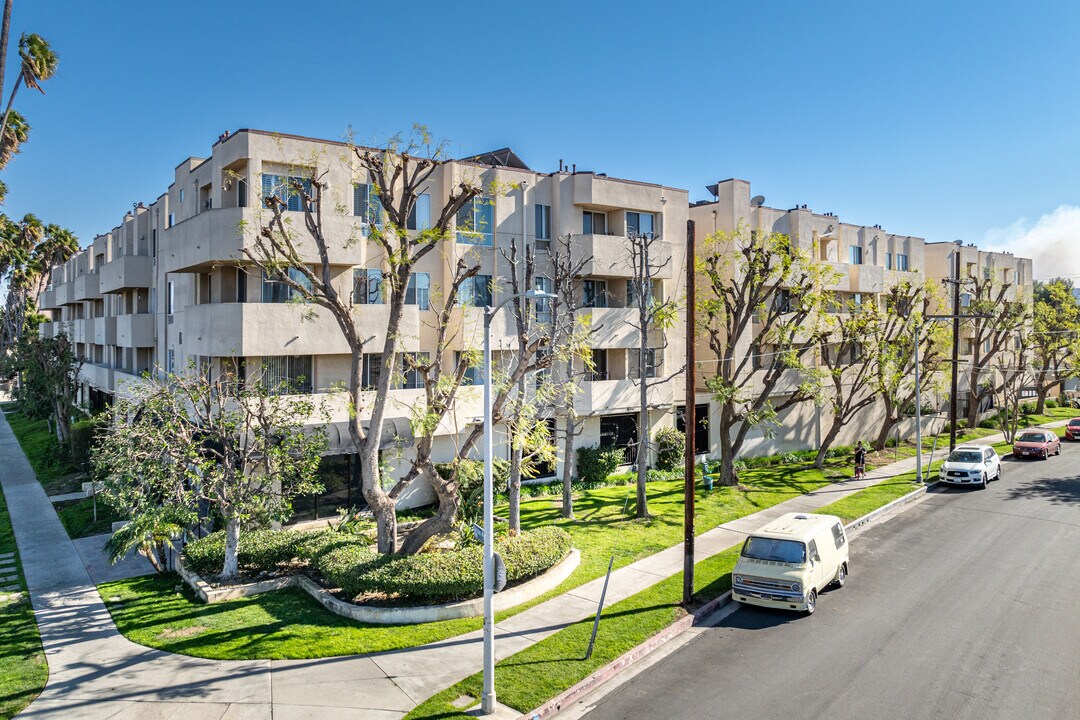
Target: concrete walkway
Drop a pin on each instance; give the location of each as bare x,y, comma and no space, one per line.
95,673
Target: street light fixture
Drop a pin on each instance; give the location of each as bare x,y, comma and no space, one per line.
487,702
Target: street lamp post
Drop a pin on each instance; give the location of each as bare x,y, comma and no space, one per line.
487,702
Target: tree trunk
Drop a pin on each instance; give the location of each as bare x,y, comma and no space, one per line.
642,462
727,453
513,492
1040,404
568,468
443,519
826,443
382,505
887,426
973,400
231,568
7,112
63,422
5,33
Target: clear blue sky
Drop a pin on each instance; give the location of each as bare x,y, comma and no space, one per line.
936,119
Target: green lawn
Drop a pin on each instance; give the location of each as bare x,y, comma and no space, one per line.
56,473
78,517
1049,415
289,624
23,670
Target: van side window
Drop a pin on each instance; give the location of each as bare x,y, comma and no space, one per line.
812,551
838,536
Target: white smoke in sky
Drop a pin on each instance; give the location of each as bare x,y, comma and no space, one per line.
1052,242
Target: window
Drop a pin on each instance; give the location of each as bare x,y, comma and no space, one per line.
420,215
787,551
757,357
594,294
475,291
543,222
640,224
170,299
368,205
373,367
413,378
367,286
594,223
632,286
172,220
811,548
170,359
986,273
418,291
620,431
476,222
782,301
276,291
856,255
181,196
599,366
472,375
284,187
701,427
241,285
543,307
654,362
902,262
888,261
287,374
856,299
838,535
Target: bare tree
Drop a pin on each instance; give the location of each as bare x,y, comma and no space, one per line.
891,343
1015,374
654,316
990,337
759,306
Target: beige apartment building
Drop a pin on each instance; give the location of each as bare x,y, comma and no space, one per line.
170,287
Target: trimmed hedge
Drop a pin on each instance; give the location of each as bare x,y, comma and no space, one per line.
436,577
670,448
350,563
594,464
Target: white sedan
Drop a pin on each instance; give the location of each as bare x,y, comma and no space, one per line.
971,465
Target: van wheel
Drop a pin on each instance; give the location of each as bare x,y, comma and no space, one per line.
841,575
811,601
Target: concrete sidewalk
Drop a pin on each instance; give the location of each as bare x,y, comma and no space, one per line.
95,673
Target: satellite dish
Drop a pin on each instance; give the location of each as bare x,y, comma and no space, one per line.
757,201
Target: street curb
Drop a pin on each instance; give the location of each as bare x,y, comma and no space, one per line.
627,660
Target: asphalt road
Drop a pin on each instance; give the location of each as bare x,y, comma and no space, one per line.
967,605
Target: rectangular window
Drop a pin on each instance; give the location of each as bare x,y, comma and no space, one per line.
594,294
418,291
275,291
599,366
543,307
367,286
284,187
902,262
413,378
170,360
593,223
838,536
172,220
373,367
856,299
888,261
701,427
367,205
620,431
420,215
640,224
170,299
632,293
476,222
543,222
475,291
287,374
654,360
856,255
472,375
241,285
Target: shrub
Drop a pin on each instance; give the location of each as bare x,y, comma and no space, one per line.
594,464
1027,408
670,448
345,564
436,577
83,435
259,550
1051,403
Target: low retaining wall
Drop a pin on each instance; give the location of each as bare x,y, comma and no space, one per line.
388,615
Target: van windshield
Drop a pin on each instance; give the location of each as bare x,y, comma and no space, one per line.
789,551
965,456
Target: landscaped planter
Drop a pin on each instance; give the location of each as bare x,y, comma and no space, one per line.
508,598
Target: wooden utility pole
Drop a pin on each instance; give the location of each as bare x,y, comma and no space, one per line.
689,420
955,349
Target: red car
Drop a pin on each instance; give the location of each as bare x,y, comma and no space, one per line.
1072,430
1036,443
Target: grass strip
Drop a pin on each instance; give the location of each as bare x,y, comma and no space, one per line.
23,670
54,469
78,517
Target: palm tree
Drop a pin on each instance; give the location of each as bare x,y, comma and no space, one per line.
16,131
38,64
149,533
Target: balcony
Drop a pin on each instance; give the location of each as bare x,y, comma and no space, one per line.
467,325
135,330
214,236
788,383
47,300
86,287
65,294
100,376
260,329
81,330
607,396
612,256
617,328
128,272
842,277
125,383
867,278
47,329
104,330
613,195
